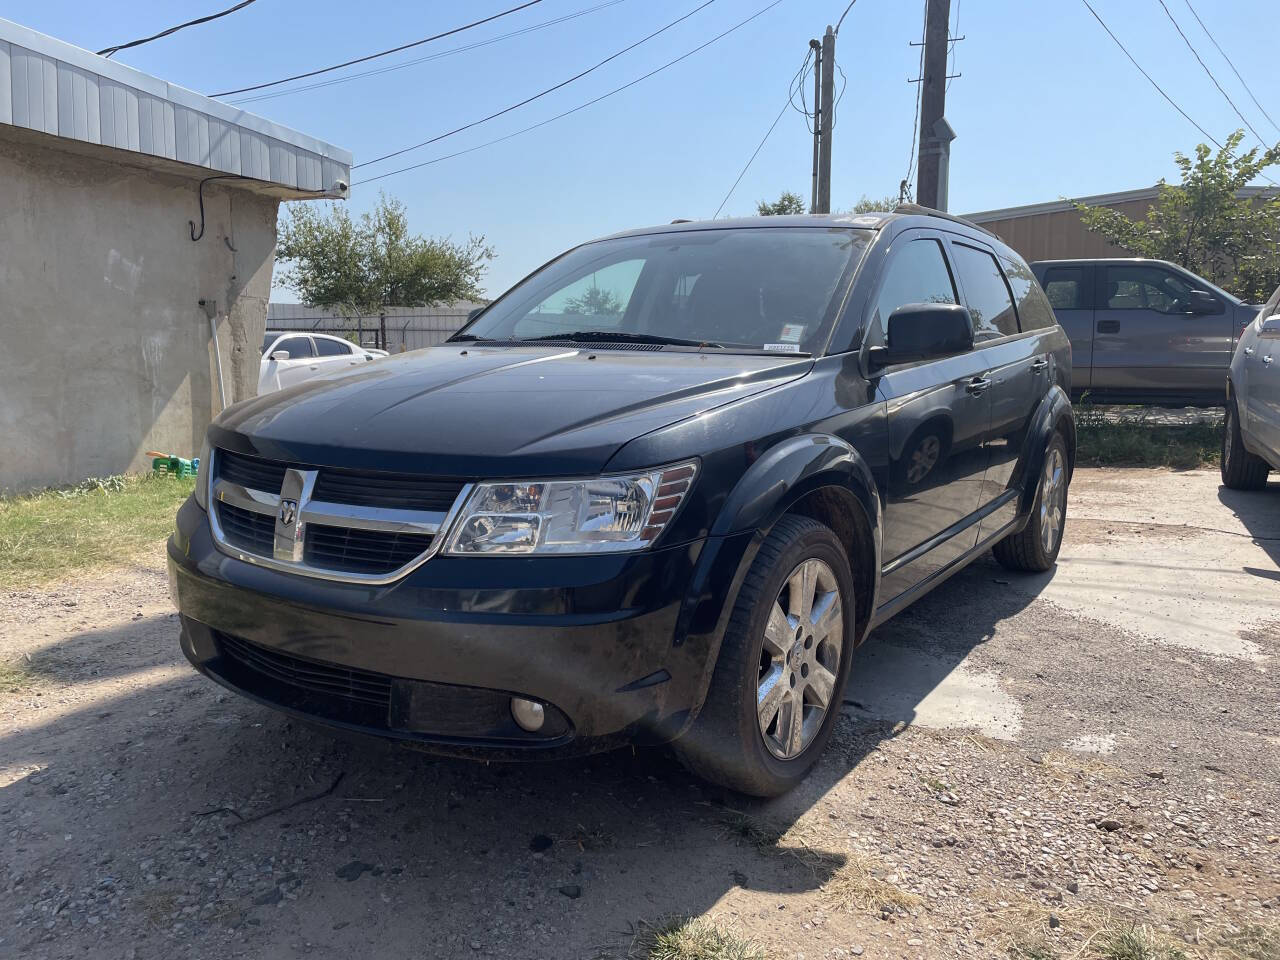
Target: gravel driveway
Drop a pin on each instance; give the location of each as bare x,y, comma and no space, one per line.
1021,758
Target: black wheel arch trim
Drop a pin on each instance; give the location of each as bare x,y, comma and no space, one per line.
1054,413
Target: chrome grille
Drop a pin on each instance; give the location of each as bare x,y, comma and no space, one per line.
341,524
361,551
247,530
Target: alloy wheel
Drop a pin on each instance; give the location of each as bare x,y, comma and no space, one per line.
1053,499
800,660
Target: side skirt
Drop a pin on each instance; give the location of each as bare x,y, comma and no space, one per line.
904,600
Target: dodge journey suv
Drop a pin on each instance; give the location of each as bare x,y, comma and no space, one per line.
657,492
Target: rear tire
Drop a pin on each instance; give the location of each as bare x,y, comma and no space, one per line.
729,744
1035,547
1241,470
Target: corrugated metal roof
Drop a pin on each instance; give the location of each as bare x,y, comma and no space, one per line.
56,88
1097,200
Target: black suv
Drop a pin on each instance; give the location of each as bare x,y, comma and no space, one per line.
657,492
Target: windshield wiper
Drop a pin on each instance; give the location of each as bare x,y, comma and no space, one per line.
467,338
616,336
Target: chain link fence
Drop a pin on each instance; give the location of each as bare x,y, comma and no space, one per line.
395,329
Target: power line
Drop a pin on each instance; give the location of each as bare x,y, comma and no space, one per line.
464,48
751,160
1209,73
1160,89
109,51
955,38
374,56
1150,80
798,79
536,96
843,15
560,116
1231,65
915,123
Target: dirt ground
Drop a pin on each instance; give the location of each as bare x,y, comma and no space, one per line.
1022,760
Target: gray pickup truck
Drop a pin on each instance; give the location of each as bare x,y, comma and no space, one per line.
1144,331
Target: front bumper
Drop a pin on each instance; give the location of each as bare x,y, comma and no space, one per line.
619,648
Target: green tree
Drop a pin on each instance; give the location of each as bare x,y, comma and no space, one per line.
594,303
1204,225
360,266
787,202
871,205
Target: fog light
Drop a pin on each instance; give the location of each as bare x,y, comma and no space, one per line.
528,714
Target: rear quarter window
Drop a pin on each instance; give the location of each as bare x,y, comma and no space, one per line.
1034,311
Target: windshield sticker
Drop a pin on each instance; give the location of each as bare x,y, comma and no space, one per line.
792,333
783,347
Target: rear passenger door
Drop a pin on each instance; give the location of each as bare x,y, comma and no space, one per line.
335,354
1149,340
1017,366
1070,292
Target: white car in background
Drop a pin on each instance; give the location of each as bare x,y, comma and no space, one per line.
289,358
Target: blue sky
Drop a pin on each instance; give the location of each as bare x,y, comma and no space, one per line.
1047,105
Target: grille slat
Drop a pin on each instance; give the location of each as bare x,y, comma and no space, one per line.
361,551
398,491
247,530
251,472
330,679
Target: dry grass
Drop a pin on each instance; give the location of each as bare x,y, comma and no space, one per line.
97,523
15,677
855,886
1024,932
692,938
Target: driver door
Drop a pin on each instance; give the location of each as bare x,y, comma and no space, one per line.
1148,340
938,414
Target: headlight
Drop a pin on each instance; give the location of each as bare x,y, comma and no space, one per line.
203,478
599,515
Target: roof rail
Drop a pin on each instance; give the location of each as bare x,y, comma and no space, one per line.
919,210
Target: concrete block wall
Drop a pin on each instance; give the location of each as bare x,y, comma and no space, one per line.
105,351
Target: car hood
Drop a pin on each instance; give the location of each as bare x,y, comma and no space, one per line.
474,411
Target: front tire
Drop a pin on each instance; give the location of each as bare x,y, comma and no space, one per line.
1035,547
1241,470
779,679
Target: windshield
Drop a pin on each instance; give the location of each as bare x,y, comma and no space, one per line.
765,288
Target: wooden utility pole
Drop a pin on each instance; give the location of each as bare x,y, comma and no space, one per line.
816,47
935,135
828,84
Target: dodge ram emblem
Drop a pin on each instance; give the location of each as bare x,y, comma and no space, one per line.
288,510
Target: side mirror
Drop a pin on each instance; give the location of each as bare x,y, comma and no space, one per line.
1203,302
279,354
1270,326
925,331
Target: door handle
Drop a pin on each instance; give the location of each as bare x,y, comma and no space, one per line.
1248,351
1108,326
1039,364
1267,359
977,386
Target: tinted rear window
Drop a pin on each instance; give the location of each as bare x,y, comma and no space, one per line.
985,292
1034,312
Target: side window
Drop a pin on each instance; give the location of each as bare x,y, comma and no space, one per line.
1034,312
596,301
298,347
1142,287
917,273
331,348
986,293
1065,288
